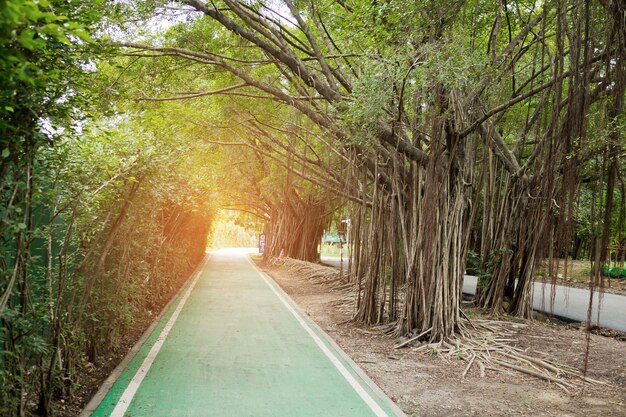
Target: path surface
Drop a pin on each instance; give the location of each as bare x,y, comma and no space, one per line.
238,346
570,303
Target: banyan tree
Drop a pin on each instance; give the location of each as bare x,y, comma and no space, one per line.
445,125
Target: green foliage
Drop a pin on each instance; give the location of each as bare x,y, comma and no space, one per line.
473,263
43,50
109,191
105,215
493,262
82,184
40,58
373,99
228,233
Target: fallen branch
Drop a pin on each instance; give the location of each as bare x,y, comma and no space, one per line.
406,342
469,365
533,373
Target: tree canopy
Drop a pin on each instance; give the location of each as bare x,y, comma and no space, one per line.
438,128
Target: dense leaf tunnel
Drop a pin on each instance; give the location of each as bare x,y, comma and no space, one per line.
440,129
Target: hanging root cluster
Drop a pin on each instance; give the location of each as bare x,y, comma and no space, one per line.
489,345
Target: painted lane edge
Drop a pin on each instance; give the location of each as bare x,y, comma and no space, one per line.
96,401
307,326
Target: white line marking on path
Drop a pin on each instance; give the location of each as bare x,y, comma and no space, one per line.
342,369
133,386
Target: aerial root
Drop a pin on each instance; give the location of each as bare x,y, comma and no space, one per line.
489,346
387,328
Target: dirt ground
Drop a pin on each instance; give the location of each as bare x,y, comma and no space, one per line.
431,385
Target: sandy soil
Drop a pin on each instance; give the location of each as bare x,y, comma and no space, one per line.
431,385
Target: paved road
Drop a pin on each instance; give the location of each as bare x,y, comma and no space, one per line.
233,344
572,303
335,261
569,303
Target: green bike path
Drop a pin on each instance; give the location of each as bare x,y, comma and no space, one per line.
234,344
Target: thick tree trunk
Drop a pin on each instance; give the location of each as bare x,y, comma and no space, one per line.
410,245
434,291
296,227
